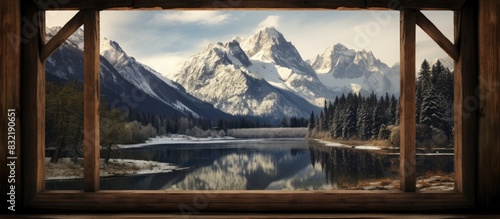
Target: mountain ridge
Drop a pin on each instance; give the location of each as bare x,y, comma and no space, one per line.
126,82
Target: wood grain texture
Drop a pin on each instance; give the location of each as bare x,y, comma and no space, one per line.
438,37
91,62
489,122
249,4
231,215
465,113
32,124
262,201
61,36
408,101
32,102
10,29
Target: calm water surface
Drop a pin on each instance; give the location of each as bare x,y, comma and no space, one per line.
272,164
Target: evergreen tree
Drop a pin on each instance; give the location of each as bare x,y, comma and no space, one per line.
425,72
423,80
378,117
397,112
349,124
437,74
284,122
311,121
364,123
391,111
431,114
326,122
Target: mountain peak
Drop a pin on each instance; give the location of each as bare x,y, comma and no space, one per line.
272,32
114,53
340,46
76,39
108,44
270,46
264,41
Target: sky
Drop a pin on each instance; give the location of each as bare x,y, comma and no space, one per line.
163,39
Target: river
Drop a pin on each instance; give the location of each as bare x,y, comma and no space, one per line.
263,164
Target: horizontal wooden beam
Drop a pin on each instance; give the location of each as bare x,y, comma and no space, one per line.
248,4
192,202
438,37
61,36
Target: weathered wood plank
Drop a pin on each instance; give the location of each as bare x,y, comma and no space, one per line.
438,37
10,27
231,215
91,94
269,201
408,101
32,101
248,4
465,113
61,36
489,122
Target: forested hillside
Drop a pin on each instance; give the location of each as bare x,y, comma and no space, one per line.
354,116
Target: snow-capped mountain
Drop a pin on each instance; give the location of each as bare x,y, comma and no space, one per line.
344,70
220,74
278,62
126,83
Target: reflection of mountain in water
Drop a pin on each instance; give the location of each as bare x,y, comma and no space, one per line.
258,169
269,164
347,165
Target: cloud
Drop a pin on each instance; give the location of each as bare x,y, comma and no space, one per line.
200,17
270,21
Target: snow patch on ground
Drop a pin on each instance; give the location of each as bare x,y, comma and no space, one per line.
335,144
67,169
184,139
367,147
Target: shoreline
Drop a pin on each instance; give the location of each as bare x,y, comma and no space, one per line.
184,139
66,169
388,150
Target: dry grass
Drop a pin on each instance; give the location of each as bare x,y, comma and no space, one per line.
432,180
387,183
65,167
436,180
381,143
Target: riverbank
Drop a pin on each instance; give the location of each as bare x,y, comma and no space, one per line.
185,139
430,181
234,135
67,169
362,145
382,146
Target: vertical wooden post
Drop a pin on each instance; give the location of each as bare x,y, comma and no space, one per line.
10,27
488,189
466,100
408,101
91,146
33,100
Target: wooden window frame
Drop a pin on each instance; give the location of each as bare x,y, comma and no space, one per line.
32,100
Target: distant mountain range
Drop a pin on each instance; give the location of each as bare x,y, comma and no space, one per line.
262,75
125,83
344,70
